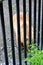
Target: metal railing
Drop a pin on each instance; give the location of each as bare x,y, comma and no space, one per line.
18,25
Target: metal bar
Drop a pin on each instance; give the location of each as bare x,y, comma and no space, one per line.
4,34
24,22
34,21
39,9
12,32
42,28
18,26
29,21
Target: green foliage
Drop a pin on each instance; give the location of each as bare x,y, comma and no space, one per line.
35,55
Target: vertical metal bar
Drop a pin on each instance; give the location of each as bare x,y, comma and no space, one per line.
12,32
29,21
4,34
34,21
18,25
39,9
24,22
42,28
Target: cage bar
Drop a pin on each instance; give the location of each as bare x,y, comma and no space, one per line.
42,28
24,23
39,11
30,21
12,32
18,26
4,34
35,21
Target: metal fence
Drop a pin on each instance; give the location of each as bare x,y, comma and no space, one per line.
40,34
